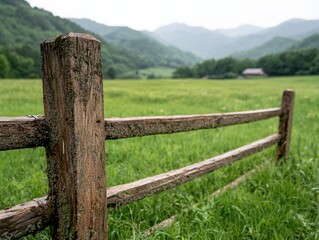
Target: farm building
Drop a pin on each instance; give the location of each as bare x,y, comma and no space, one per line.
254,72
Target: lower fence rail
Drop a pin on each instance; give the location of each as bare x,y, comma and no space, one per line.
35,215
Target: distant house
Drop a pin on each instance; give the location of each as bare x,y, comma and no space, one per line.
254,72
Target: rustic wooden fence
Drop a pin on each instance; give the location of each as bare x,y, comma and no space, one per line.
73,131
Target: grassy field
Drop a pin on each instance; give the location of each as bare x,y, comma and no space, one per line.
156,72
281,202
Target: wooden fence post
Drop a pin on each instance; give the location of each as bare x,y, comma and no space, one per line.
73,106
285,123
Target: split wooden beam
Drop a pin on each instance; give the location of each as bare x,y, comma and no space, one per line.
25,218
32,131
129,192
22,132
74,112
285,123
117,128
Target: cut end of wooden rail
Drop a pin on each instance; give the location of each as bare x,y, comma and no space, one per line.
25,219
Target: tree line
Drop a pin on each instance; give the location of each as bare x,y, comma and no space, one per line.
304,62
24,62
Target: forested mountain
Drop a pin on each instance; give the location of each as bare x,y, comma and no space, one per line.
141,44
215,44
309,42
23,28
278,45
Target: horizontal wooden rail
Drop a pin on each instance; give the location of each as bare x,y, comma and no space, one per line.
22,132
30,132
126,193
24,218
117,128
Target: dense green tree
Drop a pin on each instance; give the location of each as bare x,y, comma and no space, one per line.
183,72
304,62
225,65
205,69
110,73
4,66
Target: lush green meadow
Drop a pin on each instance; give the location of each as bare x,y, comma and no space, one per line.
281,202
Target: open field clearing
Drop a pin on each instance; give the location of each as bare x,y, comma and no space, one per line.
280,202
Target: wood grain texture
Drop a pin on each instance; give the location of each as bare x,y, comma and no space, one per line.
74,112
285,123
142,126
28,132
25,218
22,132
126,193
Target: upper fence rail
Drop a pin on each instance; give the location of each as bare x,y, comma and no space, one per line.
32,131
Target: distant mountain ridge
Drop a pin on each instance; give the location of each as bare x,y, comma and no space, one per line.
216,44
141,44
279,45
240,31
198,40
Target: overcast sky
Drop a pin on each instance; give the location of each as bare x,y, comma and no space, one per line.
212,14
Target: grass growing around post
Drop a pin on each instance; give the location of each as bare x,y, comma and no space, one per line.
281,202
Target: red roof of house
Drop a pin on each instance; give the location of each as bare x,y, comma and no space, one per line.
254,71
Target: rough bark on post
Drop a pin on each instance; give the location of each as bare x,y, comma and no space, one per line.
73,106
285,123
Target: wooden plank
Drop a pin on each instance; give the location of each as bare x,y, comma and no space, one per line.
73,106
29,132
22,132
141,126
285,123
25,218
126,193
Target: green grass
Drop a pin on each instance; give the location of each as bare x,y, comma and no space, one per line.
282,202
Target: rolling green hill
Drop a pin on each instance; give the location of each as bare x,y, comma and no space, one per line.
279,45
307,43
141,44
276,45
22,30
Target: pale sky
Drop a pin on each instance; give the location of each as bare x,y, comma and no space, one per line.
211,14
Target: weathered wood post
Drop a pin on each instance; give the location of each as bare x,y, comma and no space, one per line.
285,123
73,106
